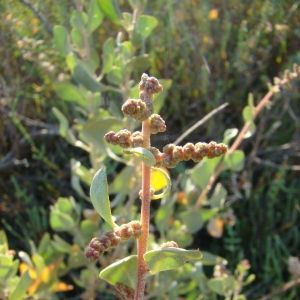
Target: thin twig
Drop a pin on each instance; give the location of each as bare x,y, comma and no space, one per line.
282,289
199,123
39,16
271,164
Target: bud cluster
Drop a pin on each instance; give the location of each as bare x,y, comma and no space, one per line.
111,239
173,154
124,138
141,109
157,124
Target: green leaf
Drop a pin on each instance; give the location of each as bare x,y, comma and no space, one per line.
95,16
99,197
235,161
64,205
217,285
250,100
115,76
123,182
63,122
192,220
20,291
61,40
61,245
70,92
146,24
88,229
77,259
5,263
248,114
169,258
202,171
111,9
218,197
221,285
44,243
143,154
77,38
82,172
207,213
122,271
209,259
107,62
12,272
3,242
251,130
87,80
229,134
138,64
249,279
79,20
60,221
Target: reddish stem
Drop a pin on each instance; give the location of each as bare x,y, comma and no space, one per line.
142,242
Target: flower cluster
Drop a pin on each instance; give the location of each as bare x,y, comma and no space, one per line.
111,239
173,154
124,138
141,109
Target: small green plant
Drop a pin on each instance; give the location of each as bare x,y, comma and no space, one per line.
129,274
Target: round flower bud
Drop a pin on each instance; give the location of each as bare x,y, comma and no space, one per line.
124,137
137,139
178,153
188,150
111,138
168,149
125,232
97,245
113,238
91,254
157,124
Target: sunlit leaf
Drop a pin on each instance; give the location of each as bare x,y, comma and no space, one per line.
111,9
146,24
99,197
235,161
169,258
95,16
192,219
20,290
138,64
210,259
229,134
143,154
122,271
61,40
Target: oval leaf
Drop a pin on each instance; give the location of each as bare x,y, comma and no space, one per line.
99,197
235,161
122,271
111,9
169,258
143,154
22,287
229,134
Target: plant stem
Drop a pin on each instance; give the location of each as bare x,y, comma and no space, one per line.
142,242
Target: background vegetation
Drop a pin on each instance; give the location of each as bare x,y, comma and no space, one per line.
214,52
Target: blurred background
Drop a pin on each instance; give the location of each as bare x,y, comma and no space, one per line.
62,54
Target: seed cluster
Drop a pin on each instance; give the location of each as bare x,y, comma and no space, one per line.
111,239
141,109
124,138
170,244
173,154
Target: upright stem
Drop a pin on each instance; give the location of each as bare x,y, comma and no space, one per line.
142,242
